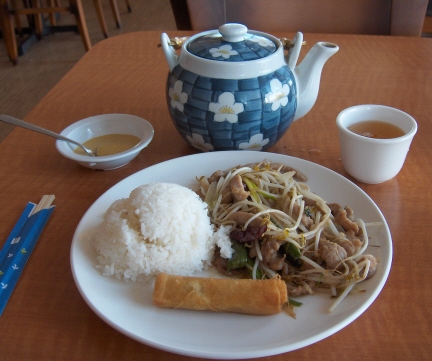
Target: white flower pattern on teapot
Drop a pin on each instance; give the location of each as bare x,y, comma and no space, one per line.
256,142
178,96
225,51
278,97
197,141
262,41
226,109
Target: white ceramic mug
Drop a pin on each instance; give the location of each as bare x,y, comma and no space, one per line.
372,160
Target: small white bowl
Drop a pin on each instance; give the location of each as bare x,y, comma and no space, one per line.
374,160
104,124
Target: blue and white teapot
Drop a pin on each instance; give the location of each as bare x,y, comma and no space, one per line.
232,89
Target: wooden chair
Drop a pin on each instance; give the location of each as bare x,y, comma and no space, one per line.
384,17
115,10
9,10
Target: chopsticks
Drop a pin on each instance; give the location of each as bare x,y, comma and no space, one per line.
20,244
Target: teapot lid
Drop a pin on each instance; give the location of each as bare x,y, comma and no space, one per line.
232,43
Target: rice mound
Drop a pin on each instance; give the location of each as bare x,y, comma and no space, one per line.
160,227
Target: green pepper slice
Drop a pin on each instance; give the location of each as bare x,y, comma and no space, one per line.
239,258
259,275
292,250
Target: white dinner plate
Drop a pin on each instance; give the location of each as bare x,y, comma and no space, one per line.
128,307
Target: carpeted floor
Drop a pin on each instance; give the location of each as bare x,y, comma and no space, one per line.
44,64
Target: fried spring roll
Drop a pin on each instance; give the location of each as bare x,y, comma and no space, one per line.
257,297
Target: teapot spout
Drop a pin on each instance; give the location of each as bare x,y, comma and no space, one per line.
308,75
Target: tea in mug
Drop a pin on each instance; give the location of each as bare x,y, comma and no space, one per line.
376,129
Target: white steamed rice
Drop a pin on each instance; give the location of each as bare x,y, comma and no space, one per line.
161,227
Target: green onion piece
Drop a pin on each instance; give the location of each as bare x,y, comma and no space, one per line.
319,283
266,195
239,258
211,196
294,302
252,189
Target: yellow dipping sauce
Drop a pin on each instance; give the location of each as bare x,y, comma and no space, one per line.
109,144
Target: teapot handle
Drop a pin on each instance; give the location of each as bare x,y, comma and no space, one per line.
293,53
169,51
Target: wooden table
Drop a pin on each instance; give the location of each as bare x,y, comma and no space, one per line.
46,318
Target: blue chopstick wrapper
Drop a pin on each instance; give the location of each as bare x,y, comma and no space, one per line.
18,248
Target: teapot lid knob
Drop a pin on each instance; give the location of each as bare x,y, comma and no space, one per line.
233,32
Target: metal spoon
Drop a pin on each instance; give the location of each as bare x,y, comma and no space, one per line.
23,124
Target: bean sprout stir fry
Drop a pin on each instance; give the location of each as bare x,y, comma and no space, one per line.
280,228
